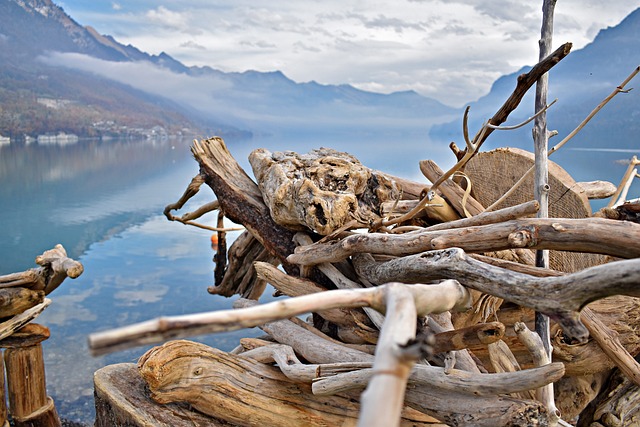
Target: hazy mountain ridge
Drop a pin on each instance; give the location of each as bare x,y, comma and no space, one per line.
120,82
579,82
40,39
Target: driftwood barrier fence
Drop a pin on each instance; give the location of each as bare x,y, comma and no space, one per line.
23,296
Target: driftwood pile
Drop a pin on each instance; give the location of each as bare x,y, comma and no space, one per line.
431,316
422,296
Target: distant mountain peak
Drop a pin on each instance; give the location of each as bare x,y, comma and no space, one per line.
43,7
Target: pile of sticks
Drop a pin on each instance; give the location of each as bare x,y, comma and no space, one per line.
423,296
430,315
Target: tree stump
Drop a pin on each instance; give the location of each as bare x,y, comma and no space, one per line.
122,400
26,383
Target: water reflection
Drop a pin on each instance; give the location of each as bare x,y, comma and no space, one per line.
103,202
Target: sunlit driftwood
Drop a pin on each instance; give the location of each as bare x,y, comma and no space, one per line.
593,235
320,191
183,371
598,189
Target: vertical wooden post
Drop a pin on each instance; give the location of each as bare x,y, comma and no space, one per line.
29,404
541,142
541,190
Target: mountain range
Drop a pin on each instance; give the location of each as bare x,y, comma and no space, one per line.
579,82
57,75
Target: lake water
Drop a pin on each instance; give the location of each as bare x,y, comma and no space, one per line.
103,201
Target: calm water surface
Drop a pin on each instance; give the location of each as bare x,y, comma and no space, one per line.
103,201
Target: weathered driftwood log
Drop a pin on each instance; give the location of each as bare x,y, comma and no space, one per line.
16,300
16,322
241,390
25,376
427,298
598,189
122,399
595,235
452,381
320,191
353,319
241,199
570,292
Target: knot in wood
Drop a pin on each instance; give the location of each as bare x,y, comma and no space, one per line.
523,238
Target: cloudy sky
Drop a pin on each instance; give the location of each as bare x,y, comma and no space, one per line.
448,50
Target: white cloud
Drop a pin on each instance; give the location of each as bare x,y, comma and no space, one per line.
169,19
401,45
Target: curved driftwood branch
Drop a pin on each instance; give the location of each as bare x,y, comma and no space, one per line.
525,81
452,381
594,235
428,298
559,297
